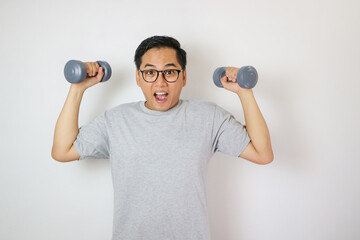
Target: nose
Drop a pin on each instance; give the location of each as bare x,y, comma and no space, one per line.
161,80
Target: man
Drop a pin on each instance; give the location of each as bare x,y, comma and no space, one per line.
159,149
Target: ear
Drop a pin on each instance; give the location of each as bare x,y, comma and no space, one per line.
138,77
184,77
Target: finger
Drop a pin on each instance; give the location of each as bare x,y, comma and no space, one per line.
100,74
228,74
97,65
89,69
93,69
231,73
96,68
231,78
87,66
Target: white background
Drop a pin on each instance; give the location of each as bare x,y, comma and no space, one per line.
307,54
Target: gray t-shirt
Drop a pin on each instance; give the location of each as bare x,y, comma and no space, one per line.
159,163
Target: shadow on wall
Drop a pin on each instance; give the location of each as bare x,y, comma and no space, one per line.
291,145
94,165
279,94
290,139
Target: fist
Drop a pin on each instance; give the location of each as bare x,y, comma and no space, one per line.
229,81
94,75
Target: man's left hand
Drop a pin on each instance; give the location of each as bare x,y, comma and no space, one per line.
232,85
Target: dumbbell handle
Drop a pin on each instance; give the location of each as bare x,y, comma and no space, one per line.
246,77
75,71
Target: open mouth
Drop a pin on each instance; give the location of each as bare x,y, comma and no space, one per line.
161,97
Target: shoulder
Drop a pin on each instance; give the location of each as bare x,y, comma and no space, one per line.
209,110
200,105
199,109
203,107
122,109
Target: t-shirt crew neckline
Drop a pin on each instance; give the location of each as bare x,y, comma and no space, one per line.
159,113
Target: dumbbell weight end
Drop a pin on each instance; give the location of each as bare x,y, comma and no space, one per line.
107,70
75,71
219,73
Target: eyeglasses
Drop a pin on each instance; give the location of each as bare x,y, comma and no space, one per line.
151,75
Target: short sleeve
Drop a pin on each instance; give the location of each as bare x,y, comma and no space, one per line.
92,141
229,135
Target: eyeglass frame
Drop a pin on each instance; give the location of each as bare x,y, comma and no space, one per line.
163,74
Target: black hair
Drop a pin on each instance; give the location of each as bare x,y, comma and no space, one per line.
160,42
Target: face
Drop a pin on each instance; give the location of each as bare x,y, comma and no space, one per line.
161,95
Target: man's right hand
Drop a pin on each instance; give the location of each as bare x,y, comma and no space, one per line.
94,75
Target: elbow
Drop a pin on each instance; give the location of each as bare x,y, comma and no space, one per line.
266,159
59,157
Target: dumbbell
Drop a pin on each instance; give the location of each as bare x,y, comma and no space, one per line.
246,77
75,71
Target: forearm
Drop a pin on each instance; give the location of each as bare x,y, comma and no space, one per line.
256,125
66,128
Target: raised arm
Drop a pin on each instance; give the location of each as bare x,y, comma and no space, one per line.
66,129
259,149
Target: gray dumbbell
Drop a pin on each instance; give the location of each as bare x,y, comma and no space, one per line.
75,71
246,77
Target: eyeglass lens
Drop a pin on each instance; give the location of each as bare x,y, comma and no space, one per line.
151,75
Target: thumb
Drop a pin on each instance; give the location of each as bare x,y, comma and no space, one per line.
100,74
229,85
225,81
90,81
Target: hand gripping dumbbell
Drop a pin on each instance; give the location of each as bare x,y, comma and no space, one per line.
246,77
75,71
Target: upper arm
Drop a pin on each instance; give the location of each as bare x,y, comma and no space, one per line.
71,155
252,155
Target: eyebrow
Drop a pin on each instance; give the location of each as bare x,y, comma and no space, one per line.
167,65
170,65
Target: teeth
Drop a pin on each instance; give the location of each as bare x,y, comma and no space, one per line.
160,93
